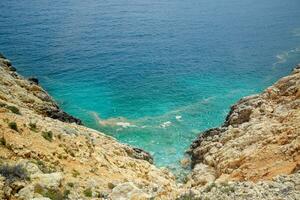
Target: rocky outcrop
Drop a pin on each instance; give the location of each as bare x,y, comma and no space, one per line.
59,160
259,140
280,187
30,94
139,154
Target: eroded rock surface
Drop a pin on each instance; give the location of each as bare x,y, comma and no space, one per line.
259,140
66,160
27,93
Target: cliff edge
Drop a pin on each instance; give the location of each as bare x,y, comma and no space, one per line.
259,141
46,153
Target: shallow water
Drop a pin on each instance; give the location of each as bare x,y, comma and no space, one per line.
151,73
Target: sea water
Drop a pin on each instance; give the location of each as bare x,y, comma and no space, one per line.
153,74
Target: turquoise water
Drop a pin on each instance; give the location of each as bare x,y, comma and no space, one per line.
151,73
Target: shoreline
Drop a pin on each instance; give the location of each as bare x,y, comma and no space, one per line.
61,155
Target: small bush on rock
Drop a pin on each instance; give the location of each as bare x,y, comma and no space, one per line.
48,135
2,104
2,141
70,184
13,172
54,194
75,173
43,167
33,126
13,125
14,109
88,192
51,193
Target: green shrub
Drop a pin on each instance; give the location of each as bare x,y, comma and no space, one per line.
2,141
54,194
48,135
75,173
42,166
13,109
38,189
66,193
51,193
13,125
88,192
70,184
72,154
2,104
33,127
13,172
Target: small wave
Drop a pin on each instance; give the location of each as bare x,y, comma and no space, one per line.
125,124
178,117
165,124
283,57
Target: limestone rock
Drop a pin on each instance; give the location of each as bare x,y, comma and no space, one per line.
64,159
128,191
50,181
259,140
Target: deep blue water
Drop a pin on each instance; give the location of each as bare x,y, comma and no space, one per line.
167,68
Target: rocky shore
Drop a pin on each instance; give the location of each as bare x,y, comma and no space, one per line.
259,140
47,154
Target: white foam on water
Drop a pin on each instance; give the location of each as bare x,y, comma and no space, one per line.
178,117
125,124
165,124
284,56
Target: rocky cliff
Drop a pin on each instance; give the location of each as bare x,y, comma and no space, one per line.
259,140
47,154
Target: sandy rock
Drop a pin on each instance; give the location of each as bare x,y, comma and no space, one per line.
257,128
63,157
26,193
128,191
203,174
50,181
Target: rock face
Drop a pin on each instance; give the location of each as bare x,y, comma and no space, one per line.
46,154
28,93
281,187
259,140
